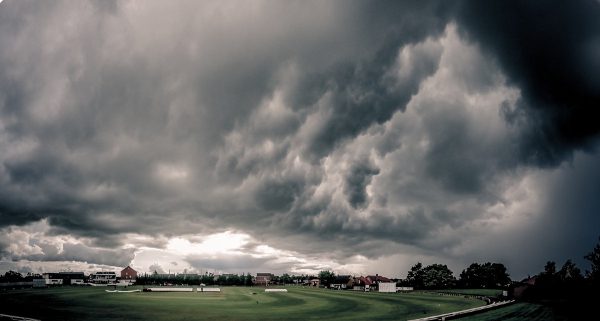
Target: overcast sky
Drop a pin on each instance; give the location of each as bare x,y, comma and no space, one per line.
297,136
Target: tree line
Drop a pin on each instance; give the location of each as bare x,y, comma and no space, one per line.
195,279
13,276
549,284
570,293
439,276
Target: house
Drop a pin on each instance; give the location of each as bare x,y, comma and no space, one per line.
314,282
378,279
263,278
362,283
128,273
519,290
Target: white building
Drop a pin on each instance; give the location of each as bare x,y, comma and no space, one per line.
104,277
54,281
387,287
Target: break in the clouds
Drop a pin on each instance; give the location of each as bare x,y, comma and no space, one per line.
247,136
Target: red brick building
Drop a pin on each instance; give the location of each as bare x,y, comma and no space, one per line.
128,273
263,278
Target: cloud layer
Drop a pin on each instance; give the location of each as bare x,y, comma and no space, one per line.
355,135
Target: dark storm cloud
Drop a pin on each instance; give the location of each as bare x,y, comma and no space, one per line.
564,227
362,93
357,180
277,195
315,127
549,49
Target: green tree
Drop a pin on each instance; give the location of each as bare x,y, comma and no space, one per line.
550,268
415,276
12,276
471,277
594,258
221,280
497,275
248,280
233,279
548,280
275,279
570,272
286,278
486,275
326,277
207,279
438,276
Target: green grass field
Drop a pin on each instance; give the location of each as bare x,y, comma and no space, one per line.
233,303
515,312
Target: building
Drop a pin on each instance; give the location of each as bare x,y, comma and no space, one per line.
378,279
389,287
104,277
263,278
342,282
362,284
128,273
314,282
520,289
66,278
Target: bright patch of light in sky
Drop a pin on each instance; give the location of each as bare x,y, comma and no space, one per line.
171,172
226,242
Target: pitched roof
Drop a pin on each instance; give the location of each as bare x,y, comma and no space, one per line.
378,278
130,268
364,280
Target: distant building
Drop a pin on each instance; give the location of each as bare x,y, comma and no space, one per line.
377,279
104,277
389,287
362,284
520,289
128,273
263,278
66,278
314,282
404,288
